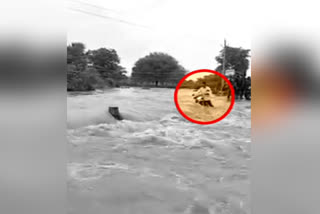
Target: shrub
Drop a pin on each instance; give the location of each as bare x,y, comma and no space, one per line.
86,80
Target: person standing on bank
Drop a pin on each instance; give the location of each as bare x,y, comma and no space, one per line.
205,93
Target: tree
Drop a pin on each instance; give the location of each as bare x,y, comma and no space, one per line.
80,77
86,80
188,84
76,56
175,76
106,62
93,69
236,58
157,68
212,80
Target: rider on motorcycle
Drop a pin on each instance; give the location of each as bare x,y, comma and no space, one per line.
203,95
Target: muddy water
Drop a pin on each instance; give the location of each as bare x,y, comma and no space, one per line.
154,161
202,113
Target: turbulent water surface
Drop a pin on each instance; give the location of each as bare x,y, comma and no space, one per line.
154,161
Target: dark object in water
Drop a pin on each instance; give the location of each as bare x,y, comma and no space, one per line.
199,99
206,103
114,111
199,209
145,88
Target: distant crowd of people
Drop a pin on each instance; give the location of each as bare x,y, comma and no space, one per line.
241,85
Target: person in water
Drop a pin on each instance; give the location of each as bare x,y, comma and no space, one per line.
203,95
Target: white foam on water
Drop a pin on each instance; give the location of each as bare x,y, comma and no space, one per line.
92,171
154,140
134,104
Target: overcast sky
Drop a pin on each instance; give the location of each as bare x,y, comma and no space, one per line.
190,31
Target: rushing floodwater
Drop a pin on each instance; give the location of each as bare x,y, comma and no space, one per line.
154,161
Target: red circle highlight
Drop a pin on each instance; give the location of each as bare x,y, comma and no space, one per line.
202,122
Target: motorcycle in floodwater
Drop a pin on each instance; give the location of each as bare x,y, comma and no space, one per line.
200,100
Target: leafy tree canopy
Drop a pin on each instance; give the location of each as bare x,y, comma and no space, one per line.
212,80
158,68
107,61
76,56
92,69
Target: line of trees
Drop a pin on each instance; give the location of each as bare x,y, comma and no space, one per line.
92,69
212,80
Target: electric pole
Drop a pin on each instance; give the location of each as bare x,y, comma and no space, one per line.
224,58
223,64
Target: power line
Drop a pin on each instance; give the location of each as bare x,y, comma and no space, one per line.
108,17
104,16
96,6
